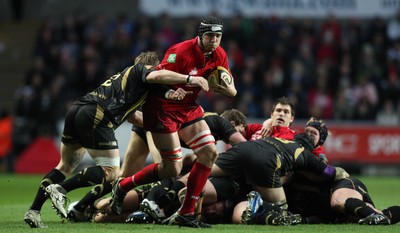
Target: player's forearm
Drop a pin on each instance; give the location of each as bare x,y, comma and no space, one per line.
228,91
334,173
167,77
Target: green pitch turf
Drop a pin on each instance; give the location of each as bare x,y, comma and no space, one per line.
17,193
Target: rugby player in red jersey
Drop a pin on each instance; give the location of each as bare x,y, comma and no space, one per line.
170,120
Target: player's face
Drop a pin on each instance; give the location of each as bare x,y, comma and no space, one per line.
313,133
282,115
241,129
211,42
213,212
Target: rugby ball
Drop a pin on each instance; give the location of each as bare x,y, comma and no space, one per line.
217,74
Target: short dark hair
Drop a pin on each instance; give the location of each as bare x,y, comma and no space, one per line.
284,101
236,116
210,24
147,58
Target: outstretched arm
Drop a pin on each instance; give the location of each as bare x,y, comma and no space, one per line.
171,77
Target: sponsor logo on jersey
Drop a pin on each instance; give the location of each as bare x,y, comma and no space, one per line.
171,58
193,71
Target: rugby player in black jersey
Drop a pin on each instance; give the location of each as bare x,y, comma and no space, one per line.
90,124
344,201
262,163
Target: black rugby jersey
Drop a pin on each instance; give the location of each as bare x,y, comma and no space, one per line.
292,155
220,128
122,94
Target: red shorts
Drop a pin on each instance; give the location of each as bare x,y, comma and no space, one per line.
159,118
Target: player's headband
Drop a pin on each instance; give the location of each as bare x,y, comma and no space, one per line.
210,24
211,28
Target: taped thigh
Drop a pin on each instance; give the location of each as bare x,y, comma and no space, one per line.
200,140
107,162
173,155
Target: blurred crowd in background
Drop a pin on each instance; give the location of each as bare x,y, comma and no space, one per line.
332,69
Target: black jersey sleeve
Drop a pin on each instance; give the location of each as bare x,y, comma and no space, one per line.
157,89
308,161
145,71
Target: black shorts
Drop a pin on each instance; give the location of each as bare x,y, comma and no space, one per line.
140,131
88,126
356,184
252,162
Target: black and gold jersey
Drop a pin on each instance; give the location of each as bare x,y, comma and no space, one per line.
120,95
262,162
292,156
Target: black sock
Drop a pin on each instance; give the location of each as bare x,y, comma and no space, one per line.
170,196
144,190
358,208
271,207
392,212
53,177
95,193
159,190
87,177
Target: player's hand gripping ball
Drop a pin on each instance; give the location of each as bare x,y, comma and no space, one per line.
217,75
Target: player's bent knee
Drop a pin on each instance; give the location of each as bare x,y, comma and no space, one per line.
207,155
65,168
110,166
111,173
169,169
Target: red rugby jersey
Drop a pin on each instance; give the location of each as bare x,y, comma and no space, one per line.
187,58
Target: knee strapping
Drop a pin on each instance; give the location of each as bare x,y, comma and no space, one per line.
107,162
174,155
201,140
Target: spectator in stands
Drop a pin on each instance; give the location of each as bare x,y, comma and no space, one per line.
79,46
388,116
393,28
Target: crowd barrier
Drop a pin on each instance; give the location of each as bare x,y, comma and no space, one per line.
364,145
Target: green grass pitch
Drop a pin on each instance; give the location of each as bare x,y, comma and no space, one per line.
17,193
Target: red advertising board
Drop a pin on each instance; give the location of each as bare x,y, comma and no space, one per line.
364,144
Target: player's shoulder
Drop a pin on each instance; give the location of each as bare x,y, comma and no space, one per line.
212,118
184,45
254,127
210,114
179,52
220,51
